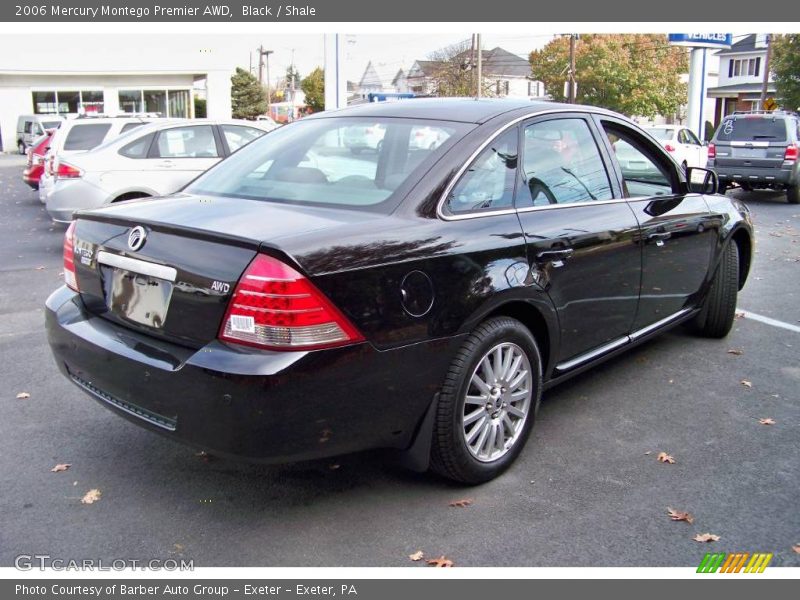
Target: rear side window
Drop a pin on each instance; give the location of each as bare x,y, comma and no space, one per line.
196,141
138,148
744,129
488,183
86,136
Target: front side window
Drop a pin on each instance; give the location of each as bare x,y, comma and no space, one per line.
196,141
85,136
352,162
488,183
645,171
562,164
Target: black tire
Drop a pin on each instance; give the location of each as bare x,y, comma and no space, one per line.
21,148
450,456
719,309
793,194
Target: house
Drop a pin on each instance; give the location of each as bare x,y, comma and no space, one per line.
376,81
504,74
741,74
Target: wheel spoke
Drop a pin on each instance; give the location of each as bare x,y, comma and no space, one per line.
507,360
473,433
481,384
491,441
475,400
518,379
507,422
514,367
500,442
519,395
515,411
488,372
474,416
485,426
498,362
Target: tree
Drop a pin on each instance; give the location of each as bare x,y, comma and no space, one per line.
453,70
635,74
785,65
199,107
248,99
313,87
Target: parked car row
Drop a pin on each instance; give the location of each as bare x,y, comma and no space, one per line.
306,298
90,162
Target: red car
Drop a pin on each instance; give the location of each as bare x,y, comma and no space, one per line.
35,167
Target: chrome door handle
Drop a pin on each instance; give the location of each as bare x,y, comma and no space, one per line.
659,237
554,257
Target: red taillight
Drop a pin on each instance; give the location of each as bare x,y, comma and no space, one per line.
70,277
712,151
669,147
791,153
274,306
67,171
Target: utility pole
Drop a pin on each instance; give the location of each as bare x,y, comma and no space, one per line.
261,54
472,61
572,38
480,65
765,80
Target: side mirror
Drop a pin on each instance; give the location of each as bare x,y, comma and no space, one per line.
701,181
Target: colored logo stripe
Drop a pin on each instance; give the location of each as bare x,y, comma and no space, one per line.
734,562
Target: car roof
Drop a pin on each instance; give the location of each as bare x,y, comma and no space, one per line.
466,110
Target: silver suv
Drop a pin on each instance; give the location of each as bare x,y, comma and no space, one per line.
758,150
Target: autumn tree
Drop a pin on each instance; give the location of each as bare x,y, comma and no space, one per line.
453,70
313,86
634,74
248,98
785,66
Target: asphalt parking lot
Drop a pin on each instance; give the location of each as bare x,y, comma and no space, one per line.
588,489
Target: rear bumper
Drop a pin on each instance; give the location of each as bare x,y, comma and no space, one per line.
258,405
756,175
67,196
31,177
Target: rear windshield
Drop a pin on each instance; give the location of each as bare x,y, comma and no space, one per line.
51,124
346,162
662,134
86,137
744,129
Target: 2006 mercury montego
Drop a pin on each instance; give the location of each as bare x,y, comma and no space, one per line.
299,300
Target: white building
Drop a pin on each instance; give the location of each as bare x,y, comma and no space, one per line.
72,75
741,76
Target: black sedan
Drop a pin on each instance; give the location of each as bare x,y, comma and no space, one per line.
299,300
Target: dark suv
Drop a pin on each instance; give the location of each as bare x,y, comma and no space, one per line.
758,150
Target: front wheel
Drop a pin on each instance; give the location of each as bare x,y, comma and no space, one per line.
719,309
488,402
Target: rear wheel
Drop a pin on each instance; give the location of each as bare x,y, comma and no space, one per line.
21,148
793,194
719,309
488,402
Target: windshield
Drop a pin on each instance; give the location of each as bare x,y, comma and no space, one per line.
51,124
662,134
758,129
348,162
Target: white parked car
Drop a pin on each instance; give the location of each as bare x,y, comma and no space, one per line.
153,160
684,146
80,135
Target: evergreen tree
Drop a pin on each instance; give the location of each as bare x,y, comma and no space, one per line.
248,98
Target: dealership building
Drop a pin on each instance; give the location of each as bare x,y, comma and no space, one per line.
96,74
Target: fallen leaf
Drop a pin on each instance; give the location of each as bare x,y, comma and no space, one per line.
461,503
60,467
178,549
767,421
706,537
677,515
666,458
736,351
205,456
91,497
440,562
334,467
418,555
648,452
23,396
739,315
40,268
796,548
746,383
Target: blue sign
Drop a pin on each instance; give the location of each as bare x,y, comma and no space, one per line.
702,40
